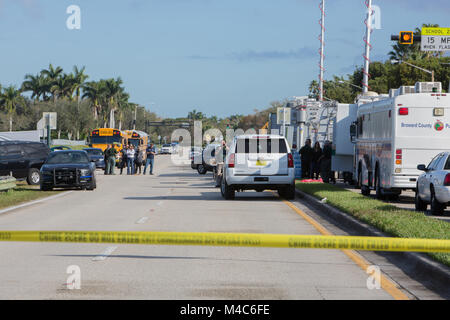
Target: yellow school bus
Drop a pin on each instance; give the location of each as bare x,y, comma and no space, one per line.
102,137
138,139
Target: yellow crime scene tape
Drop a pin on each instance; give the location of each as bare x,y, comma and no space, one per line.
231,240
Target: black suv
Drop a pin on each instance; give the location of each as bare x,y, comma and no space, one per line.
23,159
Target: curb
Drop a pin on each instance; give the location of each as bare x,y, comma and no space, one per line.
418,263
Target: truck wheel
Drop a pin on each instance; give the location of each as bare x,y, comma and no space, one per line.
419,203
34,177
201,169
378,189
365,190
437,208
227,192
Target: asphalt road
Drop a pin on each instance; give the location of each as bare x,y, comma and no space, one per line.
175,199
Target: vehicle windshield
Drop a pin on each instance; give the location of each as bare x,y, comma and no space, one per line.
134,142
67,158
167,146
260,145
105,140
94,152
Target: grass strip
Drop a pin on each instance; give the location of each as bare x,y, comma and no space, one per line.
22,194
396,222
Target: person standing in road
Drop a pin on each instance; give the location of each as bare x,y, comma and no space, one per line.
221,156
112,153
105,157
315,160
150,158
130,160
306,158
123,160
139,160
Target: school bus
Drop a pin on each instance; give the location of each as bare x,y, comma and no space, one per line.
102,137
138,139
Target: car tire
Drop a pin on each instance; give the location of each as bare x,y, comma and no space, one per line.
201,169
437,208
287,193
419,203
34,177
227,192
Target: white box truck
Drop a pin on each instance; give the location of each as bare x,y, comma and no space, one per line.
392,135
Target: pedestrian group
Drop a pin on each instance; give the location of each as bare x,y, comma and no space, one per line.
131,158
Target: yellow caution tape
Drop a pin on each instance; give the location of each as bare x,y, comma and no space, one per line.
231,240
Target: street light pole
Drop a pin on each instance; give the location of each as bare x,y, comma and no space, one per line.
409,64
351,84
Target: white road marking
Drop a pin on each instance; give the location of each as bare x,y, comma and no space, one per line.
159,204
105,254
142,220
27,204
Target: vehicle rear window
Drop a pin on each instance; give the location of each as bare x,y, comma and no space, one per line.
447,164
261,146
67,157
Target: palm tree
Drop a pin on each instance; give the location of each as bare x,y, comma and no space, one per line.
10,98
33,84
94,91
113,91
123,106
195,115
63,87
52,74
79,80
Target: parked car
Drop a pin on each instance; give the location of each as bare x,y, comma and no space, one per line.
60,148
207,162
433,186
23,159
68,169
167,149
259,162
195,153
96,155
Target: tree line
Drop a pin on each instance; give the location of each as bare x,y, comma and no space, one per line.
81,105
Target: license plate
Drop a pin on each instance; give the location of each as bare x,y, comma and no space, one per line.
261,163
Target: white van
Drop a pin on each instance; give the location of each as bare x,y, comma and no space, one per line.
259,162
397,133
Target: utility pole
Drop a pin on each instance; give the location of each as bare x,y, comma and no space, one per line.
322,48
368,24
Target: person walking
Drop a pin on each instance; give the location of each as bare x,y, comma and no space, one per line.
151,151
105,157
315,160
139,160
130,160
123,162
306,157
112,153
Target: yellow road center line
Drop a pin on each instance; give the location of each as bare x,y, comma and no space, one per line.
389,286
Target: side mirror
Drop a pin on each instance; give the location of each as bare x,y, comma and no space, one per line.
422,167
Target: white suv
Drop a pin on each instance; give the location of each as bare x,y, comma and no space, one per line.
259,162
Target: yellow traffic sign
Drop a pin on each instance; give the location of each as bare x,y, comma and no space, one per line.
436,31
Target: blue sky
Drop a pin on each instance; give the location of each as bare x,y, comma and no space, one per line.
218,56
